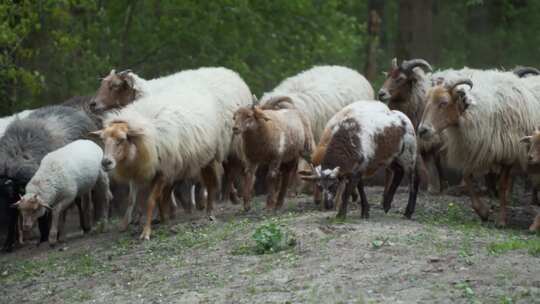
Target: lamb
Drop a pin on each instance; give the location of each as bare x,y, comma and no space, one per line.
63,175
482,127
277,138
405,90
25,142
358,140
175,134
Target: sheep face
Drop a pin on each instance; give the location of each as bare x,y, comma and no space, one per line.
395,85
31,208
116,91
533,141
445,105
246,119
328,180
119,144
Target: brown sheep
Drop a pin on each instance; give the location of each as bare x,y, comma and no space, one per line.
277,138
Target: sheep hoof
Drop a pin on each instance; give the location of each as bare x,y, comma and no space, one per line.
145,235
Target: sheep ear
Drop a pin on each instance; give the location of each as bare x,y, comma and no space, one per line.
335,172
113,71
95,134
464,98
259,114
525,139
135,132
16,205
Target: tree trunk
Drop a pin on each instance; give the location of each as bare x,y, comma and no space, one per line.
375,12
415,34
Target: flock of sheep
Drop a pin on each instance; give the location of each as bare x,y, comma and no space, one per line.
204,127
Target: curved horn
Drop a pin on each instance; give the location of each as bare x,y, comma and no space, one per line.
450,85
125,72
523,71
409,65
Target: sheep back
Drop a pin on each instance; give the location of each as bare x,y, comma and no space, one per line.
320,92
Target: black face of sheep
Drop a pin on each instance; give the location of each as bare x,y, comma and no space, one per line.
328,181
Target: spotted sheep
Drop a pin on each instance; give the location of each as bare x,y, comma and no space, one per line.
483,125
277,138
356,142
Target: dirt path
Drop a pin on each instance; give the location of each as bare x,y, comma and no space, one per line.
444,255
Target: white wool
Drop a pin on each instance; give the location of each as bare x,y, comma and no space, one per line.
321,92
5,121
182,129
373,117
230,93
68,172
281,147
502,111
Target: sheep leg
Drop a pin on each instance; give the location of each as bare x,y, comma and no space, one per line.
364,205
249,180
62,226
479,207
288,172
232,170
317,196
102,194
12,235
387,179
504,185
272,180
56,213
414,183
155,195
388,196
440,172
165,204
44,224
82,208
434,183
200,199
211,182
132,201
349,188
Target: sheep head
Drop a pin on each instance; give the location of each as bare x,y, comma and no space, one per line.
248,119
116,90
119,141
533,142
328,180
445,105
399,79
31,207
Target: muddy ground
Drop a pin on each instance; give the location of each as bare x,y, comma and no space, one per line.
443,255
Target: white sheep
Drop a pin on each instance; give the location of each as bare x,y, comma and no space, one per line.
228,89
482,126
63,175
176,134
319,93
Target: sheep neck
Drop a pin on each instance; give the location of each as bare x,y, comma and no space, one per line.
412,99
138,168
257,141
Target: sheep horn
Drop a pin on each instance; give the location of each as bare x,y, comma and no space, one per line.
125,72
452,84
523,71
408,65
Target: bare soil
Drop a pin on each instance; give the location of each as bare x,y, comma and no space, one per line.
444,255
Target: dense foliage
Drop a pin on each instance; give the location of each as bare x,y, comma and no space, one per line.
53,49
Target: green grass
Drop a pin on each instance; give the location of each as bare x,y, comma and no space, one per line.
531,245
